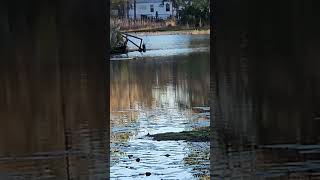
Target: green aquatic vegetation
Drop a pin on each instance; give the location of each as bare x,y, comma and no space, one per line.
121,137
200,135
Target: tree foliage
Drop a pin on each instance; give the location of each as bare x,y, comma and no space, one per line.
118,2
122,6
194,12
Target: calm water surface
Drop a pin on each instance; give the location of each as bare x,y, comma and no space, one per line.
163,90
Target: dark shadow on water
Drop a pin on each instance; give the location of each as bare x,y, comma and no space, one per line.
265,91
53,90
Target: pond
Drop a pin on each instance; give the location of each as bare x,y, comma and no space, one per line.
163,90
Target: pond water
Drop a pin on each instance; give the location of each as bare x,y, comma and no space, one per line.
49,132
163,90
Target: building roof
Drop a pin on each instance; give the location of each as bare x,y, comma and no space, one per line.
149,1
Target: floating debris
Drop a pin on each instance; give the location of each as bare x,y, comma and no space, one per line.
167,155
148,173
138,159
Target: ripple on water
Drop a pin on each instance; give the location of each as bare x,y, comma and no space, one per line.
156,94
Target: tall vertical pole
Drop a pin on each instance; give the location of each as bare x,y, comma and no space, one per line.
134,4
128,8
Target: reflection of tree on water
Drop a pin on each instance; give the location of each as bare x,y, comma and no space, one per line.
266,90
53,90
136,85
158,91
133,81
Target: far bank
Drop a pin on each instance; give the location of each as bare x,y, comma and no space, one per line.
169,31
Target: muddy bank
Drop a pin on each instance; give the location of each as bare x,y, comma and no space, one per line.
200,135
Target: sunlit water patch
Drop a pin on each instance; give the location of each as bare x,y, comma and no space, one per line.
170,45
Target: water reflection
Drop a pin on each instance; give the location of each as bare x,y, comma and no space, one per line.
265,123
43,138
165,94
52,91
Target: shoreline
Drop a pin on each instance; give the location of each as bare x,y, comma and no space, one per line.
170,32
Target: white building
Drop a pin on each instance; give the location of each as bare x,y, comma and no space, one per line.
161,9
